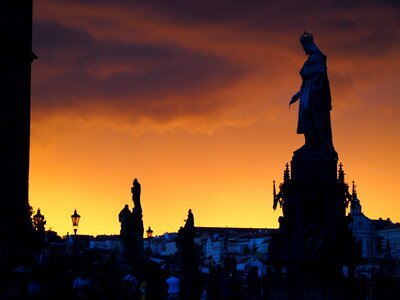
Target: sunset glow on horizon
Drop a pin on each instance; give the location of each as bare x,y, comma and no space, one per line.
191,98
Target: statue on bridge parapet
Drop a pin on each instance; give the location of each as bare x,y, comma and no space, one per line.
313,242
136,191
132,228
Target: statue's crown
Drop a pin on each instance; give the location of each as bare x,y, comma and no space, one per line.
306,37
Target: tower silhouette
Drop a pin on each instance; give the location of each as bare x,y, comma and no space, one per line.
15,88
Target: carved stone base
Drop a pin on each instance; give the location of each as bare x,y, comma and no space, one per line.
310,247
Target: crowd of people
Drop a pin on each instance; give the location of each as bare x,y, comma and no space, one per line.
56,275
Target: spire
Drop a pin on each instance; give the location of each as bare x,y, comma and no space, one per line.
341,173
275,202
354,193
356,206
286,173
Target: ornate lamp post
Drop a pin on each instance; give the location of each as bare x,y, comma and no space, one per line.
75,221
38,224
38,221
149,233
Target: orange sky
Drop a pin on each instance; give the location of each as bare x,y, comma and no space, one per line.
191,98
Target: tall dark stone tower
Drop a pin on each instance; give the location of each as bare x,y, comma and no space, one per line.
15,89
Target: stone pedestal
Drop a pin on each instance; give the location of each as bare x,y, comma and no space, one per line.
309,251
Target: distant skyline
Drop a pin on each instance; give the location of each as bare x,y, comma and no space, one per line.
191,98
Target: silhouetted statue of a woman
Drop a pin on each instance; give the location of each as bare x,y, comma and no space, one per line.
315,99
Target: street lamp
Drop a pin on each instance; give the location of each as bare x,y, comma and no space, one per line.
38,224
149,233
75,221
38,221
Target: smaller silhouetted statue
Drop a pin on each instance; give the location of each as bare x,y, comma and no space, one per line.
137,216
315,99
136,190
190,221
125,218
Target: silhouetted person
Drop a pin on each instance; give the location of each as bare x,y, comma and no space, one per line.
253,284
173,283
154,284
130,288
315,98
82,286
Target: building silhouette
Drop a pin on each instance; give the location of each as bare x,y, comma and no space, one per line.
15,88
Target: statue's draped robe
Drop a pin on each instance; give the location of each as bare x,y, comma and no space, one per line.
315,103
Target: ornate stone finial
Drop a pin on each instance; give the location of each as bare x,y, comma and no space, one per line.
286,173
341,173
356,205
354,193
